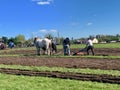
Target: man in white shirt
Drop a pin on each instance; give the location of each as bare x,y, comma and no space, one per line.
90,46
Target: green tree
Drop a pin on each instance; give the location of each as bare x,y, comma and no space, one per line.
20,40
5,39
61,40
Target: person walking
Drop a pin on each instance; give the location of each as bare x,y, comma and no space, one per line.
90,46
66,46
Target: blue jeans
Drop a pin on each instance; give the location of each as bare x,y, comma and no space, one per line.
66,50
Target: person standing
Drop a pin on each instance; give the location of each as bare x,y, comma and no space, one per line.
11,44
90,46
66,46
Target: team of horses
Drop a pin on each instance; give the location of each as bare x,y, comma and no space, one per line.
47,45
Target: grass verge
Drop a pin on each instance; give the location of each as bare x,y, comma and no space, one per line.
61,69
60,56
13,82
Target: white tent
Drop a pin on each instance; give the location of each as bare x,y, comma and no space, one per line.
95,40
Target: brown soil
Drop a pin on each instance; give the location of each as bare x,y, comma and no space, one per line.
27,60
102,52
106,64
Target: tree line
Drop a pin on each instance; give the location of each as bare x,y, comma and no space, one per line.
107,38
20,40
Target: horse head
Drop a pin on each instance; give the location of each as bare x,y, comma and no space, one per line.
35,40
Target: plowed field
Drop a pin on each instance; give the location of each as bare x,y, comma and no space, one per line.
96,63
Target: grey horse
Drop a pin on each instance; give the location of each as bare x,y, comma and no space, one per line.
46,44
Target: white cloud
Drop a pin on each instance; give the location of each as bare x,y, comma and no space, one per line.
47,31
89,24
43,31
43,2
53,30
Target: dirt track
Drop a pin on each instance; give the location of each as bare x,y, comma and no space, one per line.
106,64
104,52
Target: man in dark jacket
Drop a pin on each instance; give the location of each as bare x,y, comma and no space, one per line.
66,46
11,44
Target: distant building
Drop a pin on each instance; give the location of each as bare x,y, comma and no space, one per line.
103,42
95,40
1,40
113,41
78,42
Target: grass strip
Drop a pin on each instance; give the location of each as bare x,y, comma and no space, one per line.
61,69
13,82
99,45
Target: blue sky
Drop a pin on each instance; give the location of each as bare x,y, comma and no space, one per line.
71,18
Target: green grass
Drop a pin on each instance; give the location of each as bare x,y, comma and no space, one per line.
60,56
106,45
61,69
13,82
17,49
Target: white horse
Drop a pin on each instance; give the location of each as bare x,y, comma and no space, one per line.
45,44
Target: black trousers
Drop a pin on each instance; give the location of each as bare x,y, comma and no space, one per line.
90,48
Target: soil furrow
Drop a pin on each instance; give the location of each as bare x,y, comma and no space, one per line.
65,75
